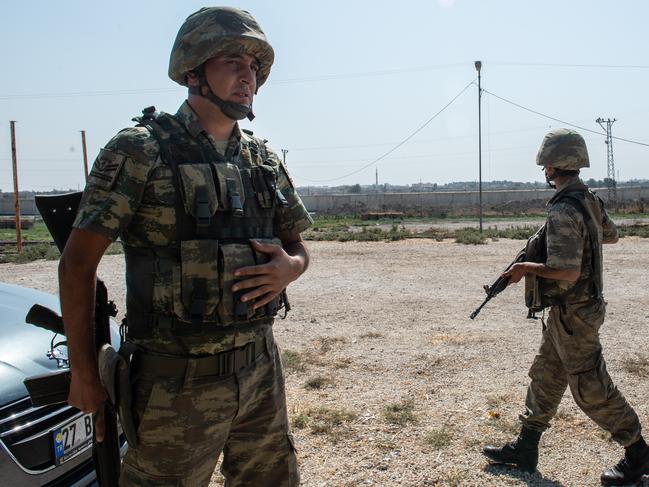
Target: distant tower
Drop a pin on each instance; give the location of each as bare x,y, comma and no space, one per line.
610,165
376,181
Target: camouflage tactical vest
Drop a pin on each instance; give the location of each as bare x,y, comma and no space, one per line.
541,293
219,206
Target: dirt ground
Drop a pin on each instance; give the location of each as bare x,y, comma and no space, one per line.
390,383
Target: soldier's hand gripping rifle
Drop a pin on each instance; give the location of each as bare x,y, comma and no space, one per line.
499,284
58,213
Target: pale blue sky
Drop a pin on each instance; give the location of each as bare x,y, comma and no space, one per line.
351,80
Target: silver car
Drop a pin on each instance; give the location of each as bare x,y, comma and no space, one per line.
48,445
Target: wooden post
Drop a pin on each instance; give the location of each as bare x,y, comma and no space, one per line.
19,237
85,153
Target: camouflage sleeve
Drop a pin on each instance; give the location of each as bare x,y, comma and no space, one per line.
565,237
294,218
609,230
116,182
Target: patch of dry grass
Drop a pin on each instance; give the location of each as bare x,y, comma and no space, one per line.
372,335
326,344
324,421
439,438
638,365
445,339
318,382
401,413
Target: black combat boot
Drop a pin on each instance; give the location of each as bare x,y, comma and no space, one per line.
523,452
634,465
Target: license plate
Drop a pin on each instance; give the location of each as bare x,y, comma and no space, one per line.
72,438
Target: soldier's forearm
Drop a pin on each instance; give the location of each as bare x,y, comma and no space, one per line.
542,270
297,249
77,294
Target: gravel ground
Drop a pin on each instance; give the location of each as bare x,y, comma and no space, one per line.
390,383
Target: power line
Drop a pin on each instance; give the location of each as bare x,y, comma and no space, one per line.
309,79
571,65
562,121
437,139
400,143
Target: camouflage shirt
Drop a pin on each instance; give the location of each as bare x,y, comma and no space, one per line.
130,194
568,240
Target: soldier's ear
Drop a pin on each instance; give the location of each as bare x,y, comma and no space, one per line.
192,79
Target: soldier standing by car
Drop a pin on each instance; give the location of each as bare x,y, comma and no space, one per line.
210,223
570,283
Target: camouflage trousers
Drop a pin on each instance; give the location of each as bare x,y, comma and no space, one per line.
571,356
185,424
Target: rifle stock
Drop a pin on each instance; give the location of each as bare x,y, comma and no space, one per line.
43,317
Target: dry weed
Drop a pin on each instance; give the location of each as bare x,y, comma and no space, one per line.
372,334
400,413
318,382
324,421
440,438
638,365
326,344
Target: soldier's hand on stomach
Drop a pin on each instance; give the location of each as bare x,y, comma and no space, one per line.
266,281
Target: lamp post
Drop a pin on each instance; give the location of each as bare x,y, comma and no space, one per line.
478,67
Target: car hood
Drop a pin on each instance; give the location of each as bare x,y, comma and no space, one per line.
24,348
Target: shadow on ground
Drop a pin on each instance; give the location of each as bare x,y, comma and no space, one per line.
531,479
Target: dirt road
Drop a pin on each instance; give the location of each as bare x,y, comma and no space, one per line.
390,383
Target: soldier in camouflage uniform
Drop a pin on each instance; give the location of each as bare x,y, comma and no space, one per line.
570,283
210,223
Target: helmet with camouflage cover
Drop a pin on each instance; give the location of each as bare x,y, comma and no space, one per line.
216,31
563,149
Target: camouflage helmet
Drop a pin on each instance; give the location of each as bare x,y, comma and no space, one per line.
563,149
214,31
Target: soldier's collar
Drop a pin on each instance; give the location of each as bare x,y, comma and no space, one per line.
575,184
187,116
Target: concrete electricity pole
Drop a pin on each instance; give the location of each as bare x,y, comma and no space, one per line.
14,160
85,153
478,67
610,165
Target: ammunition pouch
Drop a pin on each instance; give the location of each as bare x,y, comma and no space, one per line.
115,374
221,203
201,296
535,251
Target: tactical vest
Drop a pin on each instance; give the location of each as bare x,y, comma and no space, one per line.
541,293
219,207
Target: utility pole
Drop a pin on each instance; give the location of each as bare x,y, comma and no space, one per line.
284,152
610,165
19,237
376,179
478,67
85,153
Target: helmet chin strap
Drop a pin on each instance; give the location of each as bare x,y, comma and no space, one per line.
235,111
549,179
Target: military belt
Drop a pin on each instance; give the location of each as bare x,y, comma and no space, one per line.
218,365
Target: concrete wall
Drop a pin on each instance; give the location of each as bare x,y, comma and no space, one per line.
354,203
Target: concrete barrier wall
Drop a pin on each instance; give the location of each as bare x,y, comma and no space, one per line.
444,200
341,203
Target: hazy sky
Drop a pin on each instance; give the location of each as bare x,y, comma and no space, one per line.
352,80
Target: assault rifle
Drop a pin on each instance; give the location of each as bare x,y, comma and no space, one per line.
499,284
58,213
